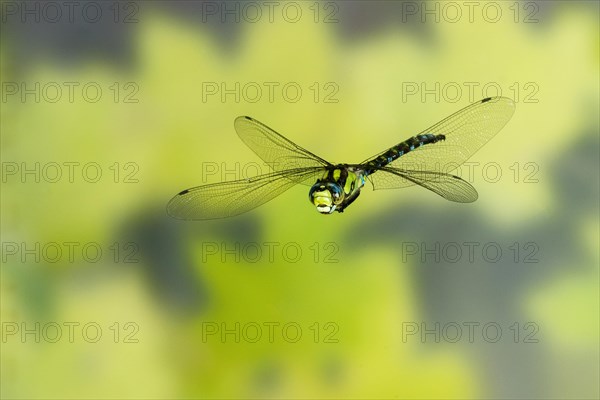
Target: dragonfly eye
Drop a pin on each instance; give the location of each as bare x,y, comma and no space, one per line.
325,196
335,190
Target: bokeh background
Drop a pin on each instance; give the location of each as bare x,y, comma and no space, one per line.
365,304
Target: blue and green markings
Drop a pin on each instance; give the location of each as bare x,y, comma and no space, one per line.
401,149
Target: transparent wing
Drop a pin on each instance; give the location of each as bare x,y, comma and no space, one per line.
226,199
466,132
275,150
448,186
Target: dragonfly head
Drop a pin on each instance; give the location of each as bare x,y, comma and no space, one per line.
326,196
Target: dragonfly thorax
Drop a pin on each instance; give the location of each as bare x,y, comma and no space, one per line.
338,187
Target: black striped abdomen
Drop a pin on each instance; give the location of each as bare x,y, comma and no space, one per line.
401,149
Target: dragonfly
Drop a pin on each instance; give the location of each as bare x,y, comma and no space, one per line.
426,160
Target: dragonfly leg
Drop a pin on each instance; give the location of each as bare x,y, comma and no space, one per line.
348,201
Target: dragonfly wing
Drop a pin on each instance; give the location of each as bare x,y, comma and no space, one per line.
226,199
448,186
466,131
275,150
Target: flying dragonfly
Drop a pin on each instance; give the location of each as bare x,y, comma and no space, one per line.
425,160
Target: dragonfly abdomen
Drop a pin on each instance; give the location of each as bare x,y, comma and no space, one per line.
401,149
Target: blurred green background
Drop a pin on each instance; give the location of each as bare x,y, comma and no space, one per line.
283,302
